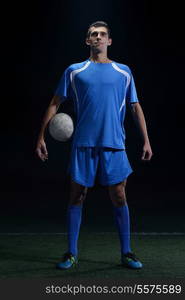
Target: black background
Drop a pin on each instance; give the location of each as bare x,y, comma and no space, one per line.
40,39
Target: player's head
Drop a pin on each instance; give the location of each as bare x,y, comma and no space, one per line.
98,36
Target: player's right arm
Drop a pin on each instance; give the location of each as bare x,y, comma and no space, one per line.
41,149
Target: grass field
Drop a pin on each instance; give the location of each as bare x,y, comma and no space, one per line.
35,256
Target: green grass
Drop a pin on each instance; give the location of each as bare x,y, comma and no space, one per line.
35,256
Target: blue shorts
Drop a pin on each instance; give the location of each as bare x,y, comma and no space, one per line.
110,165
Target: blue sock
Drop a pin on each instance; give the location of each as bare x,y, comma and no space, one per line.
74,216
123,225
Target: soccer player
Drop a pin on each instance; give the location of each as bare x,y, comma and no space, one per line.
100,89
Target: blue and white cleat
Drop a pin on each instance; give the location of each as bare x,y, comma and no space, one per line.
68,261
130,260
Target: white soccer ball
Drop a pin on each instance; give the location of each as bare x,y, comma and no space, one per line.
61,127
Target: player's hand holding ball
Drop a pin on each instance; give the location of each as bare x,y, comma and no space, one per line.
61,128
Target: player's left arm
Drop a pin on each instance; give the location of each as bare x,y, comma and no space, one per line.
139,119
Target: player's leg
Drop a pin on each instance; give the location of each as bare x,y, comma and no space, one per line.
114,171
78,194
82,169
121,212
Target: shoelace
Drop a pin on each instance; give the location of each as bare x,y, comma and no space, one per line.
67,256
132,256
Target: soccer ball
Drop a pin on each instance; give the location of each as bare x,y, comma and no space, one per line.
61,127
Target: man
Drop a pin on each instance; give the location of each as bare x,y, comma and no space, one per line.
100,89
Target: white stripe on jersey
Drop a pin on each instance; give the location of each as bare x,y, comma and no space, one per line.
72,75
128,80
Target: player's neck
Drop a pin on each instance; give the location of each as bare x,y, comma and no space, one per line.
99,58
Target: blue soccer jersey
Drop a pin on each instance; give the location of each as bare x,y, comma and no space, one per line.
100,92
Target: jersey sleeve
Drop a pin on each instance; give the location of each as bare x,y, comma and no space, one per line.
64,89
131,93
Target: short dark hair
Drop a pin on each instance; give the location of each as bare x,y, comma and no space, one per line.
98,24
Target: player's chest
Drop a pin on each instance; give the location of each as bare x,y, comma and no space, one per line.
99,78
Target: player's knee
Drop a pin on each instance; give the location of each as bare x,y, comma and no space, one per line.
118,196
78,198
119,201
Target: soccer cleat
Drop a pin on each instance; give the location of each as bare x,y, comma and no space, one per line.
130,260
68,261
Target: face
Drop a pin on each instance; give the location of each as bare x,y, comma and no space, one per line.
98,39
